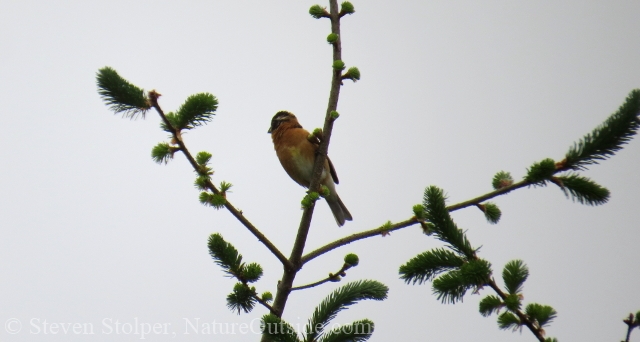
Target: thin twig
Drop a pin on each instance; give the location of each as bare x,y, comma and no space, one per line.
308,286
490,195
265,304
358,236
333,277
235,212
407,223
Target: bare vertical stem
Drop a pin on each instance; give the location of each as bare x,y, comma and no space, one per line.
286,283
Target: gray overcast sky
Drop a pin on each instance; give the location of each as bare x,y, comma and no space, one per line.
94,232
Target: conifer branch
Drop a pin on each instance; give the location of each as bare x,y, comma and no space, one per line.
514,274
521,316
241,298
177,139
358,331
579,188
425,266
339,300
582,189
606,139
407,223
466,271
227,256
120,95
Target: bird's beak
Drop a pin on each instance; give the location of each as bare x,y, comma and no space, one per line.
269,131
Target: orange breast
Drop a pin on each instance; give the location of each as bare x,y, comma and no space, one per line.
296,153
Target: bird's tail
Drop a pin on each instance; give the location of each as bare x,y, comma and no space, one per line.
340,212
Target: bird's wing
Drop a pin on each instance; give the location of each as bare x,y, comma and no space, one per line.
332,170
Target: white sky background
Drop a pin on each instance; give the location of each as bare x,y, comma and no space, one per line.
451,93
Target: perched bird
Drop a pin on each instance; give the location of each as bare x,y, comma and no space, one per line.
297,155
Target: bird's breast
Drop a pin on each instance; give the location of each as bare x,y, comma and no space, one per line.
296,154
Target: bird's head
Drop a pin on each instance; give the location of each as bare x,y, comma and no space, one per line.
280,118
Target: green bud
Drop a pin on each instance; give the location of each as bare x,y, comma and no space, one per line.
332,38
313,195
205,198
203,157
224,186
491,212
204,170
347,8
334,114
385,228
162,152
318,12
201,182
418,212
217,201
267,296
501,180
252,272
239,287
351,260
324,191
541,172
308,200
353,73
338,65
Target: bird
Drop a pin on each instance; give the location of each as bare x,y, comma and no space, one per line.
297,155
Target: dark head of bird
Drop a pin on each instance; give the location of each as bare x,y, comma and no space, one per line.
279,118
